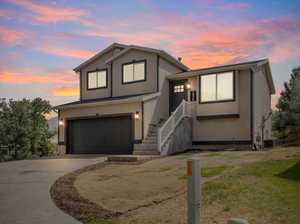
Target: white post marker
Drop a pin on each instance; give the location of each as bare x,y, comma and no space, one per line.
193,191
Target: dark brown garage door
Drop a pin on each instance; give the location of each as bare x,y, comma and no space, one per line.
109,135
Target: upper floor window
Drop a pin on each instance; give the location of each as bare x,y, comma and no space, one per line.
97,79
134,71
217,87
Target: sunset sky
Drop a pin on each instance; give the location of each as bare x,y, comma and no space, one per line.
42,41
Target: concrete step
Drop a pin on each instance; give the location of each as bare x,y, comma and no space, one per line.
152,134
152,131
145,146
153,138
141,152
149,141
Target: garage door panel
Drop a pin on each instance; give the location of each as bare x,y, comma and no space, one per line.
112,135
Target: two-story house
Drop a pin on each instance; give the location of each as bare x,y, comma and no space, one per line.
141,100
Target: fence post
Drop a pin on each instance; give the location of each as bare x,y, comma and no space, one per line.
193,191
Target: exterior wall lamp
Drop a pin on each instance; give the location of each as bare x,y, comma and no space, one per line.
137,115
61,122
188,85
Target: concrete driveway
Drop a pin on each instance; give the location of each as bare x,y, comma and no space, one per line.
25,185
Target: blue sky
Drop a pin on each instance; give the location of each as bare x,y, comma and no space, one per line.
42,41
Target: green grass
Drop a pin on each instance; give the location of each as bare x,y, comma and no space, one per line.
209,172
211,154
213,171
106,177
184,156
268,189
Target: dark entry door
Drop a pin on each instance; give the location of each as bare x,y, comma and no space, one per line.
110,135
178,92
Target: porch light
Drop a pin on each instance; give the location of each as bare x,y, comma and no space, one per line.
61,122
137,115
188,85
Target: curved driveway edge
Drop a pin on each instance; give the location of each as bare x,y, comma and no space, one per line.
25,186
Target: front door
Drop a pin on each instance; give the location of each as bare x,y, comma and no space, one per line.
178,92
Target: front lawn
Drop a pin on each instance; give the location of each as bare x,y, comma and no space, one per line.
262,187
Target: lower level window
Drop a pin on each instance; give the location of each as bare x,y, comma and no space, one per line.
97,79
217,87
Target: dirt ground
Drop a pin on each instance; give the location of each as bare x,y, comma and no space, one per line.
155,191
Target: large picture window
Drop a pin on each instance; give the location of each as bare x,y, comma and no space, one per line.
217,87
97,79
134,72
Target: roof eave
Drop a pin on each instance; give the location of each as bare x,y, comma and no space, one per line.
114,45
208,70
141,98
93,104
159,52
270,78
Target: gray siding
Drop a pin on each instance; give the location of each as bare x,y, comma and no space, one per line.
148,86
227,129
158,108
261,104
115,79
97,64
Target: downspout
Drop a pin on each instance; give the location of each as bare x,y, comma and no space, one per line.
111,79
251,109
80,85
157,73
58,131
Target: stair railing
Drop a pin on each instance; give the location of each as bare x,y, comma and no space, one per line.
164,132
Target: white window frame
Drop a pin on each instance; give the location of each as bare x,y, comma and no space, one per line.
98,71
216,83
134,80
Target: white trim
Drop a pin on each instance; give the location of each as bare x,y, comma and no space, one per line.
109,102
186,112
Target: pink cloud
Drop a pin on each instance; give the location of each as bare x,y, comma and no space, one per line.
207,43
46,13
143,37
5,14
17,77
67,52
13,37
201,43
234,6
274,100
65,91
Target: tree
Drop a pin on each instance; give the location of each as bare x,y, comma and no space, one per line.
286,121
24,128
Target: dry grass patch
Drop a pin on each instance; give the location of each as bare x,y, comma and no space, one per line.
246,185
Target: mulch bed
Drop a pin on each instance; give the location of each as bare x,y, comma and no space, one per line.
66,197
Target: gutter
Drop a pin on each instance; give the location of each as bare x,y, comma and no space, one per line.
111,102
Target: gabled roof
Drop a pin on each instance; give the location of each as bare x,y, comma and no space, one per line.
244,65
162,53
127,48
110,47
